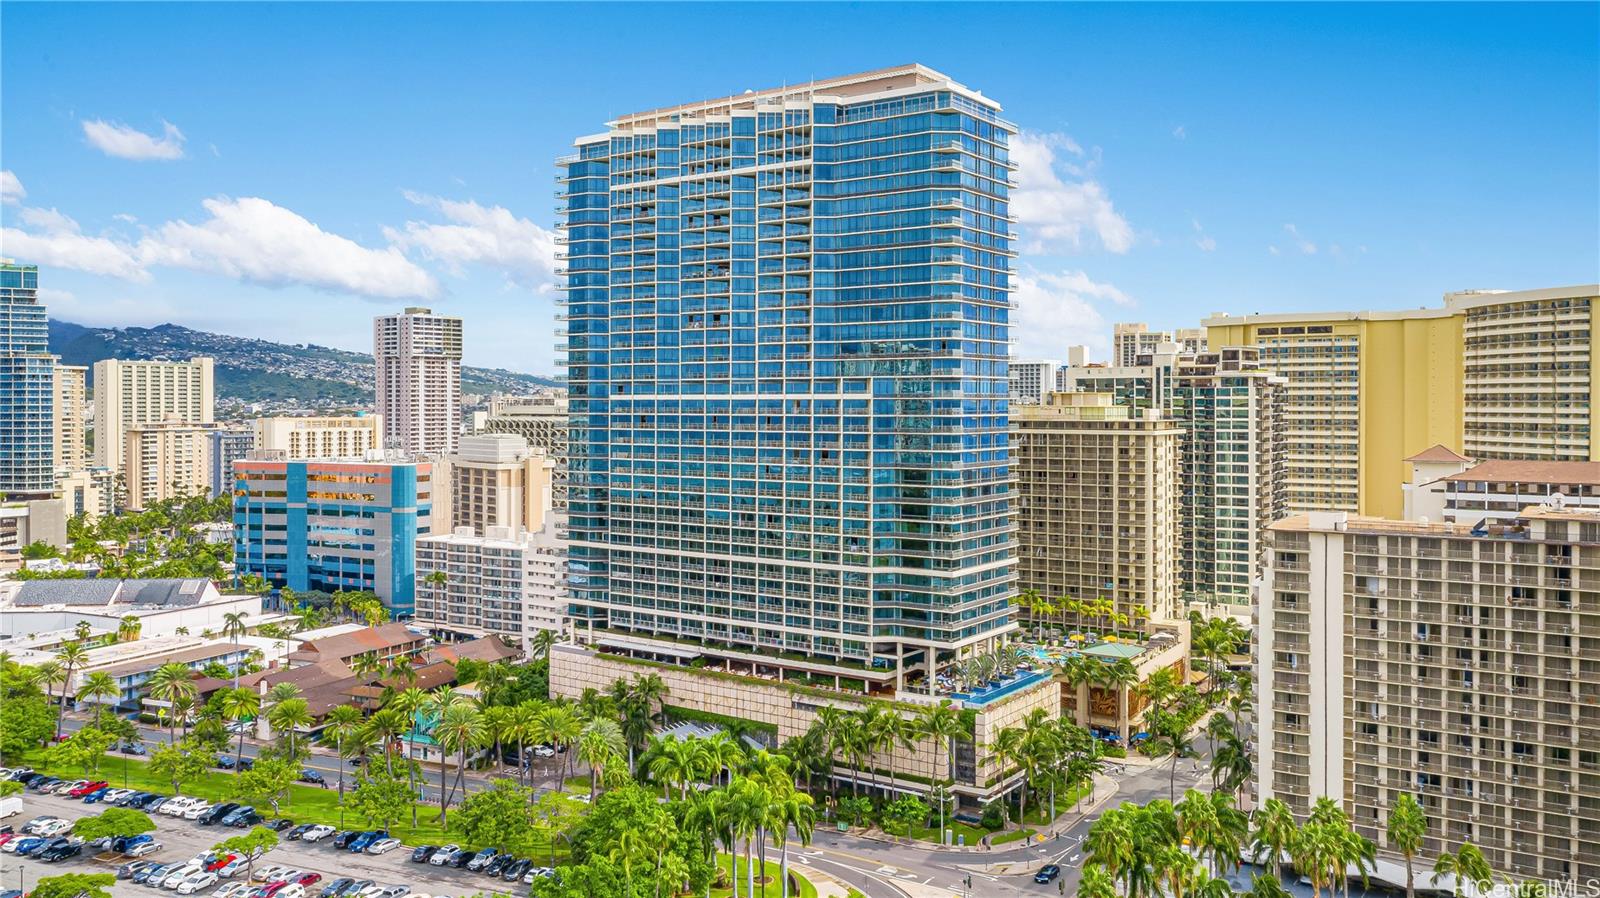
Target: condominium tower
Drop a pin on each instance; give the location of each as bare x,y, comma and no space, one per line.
1131,340
542,421
165,459
473,584
418,359
1491,374
323,436
1031,379
787,370
1097,508
27,384
128,393
496,480
1454,663
71,406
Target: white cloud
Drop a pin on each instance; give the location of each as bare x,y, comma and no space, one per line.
1057,310
1306,247
56,240
11,192
480,235
1180,133
1058,212
254,240
1204,241
124,142
1274,250
125,217
249,239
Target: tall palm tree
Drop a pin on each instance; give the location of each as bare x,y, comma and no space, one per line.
541,644
367,664
410,703
71,656
1274,832
340,725
169,683
706,817
289,717
239,705
795,811
1096,883
99,687
600,746
1213,827
1466,864
1113,845
47,674
941,724
282,692
522,727
560,726
459,731
1408,827
676,762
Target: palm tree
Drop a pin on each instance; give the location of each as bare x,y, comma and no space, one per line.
541,643
1274,832
1408,827
71,656
367,664
1096,883
289,717
1466,865
941,724
1113,846
341,723
1266,885
459,730
522,726
99,687
560,726
1213,827
239,705
600,745
794,810
47,674
705,816
1122,676
676,762
282,692
410,703
307,617
169,683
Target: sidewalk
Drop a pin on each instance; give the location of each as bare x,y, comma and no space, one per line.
826,885
1105,789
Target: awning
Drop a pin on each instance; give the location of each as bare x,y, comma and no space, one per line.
647,645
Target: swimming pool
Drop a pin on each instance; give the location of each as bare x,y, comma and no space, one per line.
990,694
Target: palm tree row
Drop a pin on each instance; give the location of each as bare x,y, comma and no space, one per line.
1050,752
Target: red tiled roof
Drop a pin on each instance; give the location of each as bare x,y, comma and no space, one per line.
382,639
1438,452
484,648
1555,473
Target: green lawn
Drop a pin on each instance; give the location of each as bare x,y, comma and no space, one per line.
304,804
773,871
1012,836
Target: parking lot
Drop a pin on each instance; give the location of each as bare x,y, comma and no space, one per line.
182,840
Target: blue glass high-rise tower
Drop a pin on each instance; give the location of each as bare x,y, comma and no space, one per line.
787,341
27,384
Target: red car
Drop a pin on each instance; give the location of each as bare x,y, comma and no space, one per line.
6,837
308,879
220,862
272,888
86,788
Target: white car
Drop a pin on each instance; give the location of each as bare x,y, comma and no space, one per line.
269,873
197,811
442,856
232,868
176,877
382,845
292,890
52,828
317,833
176,805
196,882
233,890
544,751
144,849
114,795
64,788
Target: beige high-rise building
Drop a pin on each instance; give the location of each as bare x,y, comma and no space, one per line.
495,480
1456,664
1097,502
418,359
89,491
1490,374
166,459
341,436
129,393
542,420
71,411
1131,340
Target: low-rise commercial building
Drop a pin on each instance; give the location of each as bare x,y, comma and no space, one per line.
1456,663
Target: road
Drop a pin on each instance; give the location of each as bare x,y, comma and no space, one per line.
182,840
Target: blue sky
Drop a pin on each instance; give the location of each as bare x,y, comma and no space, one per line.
289,171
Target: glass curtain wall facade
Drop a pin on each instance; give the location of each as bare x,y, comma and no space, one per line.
789,329
27,387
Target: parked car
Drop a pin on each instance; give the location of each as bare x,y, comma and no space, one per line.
232,890
96,796
202,880
225,762
245,821
155,803
113,796
144,849
280,824
132,798
494,867
515,870
317,833
54,827
125,844
15,846
444,855
232,817
84,788
461,859
60,850
196,811
216,813
1047,874
314,777
134,748
153,871
298,831
360,843
379,846
32,826
127,870
335,887
391,892
355,887
481,859
292,890
307,879
421,853
42,783
221,860
179,873
180,805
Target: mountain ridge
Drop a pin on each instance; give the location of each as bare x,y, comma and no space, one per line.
255,370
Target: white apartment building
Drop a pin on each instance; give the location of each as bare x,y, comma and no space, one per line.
1032,379
334,436
418,359
166,459
1454,663
127,393
71,411
495,480
1131,340
542,420
471,585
